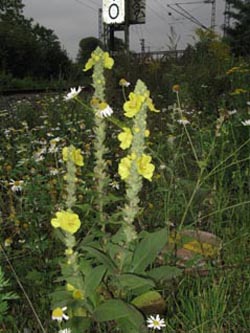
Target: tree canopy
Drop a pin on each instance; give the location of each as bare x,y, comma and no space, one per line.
238,34
27,48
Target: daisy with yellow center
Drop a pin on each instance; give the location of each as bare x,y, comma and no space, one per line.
58,314
155,322
73,93
104,110
125,138
67,221
73,154
124,83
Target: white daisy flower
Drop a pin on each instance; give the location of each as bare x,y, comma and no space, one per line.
16,185
231,112
105,112
73,93
155,322
58,314
246,122
183,121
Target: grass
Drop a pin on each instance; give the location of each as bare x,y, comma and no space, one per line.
201,182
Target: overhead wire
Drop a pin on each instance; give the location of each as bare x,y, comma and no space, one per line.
86,5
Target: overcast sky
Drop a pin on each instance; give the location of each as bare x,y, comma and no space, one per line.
72,20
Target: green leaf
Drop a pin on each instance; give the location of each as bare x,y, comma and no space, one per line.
147,250
101,257
164,273
94,278
133,282
150,302
79,324
112,309
121,312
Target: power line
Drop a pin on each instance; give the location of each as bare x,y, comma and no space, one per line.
86,5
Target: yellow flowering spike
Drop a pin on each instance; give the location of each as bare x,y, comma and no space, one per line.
73,154
146,133
125,138
97,56
67,221
133,105
124,167
108,61
144,167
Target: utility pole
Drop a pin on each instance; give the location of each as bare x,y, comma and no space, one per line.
126,26
226,18
142,41
213,14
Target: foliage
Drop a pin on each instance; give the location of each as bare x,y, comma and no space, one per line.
21,39
4,296
238,35
86,47
200,187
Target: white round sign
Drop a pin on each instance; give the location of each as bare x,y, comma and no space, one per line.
113,11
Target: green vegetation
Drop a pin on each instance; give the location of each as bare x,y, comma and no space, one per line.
112,212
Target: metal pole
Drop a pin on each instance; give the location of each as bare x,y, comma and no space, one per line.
126,26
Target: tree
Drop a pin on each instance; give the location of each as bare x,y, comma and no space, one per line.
238,35
11,7
86,47
26,48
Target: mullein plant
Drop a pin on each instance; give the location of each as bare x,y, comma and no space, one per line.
104,273
136,164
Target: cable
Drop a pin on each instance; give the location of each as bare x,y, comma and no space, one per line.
86,5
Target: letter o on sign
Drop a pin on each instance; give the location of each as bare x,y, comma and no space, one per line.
113,11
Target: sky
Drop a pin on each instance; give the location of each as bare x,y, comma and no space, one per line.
72,20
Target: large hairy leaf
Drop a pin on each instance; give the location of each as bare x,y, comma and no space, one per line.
121,312
148,249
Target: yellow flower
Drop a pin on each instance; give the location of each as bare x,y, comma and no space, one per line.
124,167
146,133
238,91
99,55
133,106
78,294
67,221
151,106
232,70
144,167
69,287
108,61
90,63
126,138
73,154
